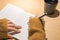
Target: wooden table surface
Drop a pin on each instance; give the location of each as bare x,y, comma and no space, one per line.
52,25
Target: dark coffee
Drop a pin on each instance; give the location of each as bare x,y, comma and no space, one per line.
51,1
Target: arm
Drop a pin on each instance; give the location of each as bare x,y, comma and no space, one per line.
36,29
7,26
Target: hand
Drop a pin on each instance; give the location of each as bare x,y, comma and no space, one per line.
13,27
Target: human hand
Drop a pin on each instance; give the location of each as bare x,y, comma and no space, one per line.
13,27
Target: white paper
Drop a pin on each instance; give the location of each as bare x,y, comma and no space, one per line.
19,17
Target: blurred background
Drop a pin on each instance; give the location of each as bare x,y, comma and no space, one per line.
36,7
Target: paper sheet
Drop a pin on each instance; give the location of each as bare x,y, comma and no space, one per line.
19,17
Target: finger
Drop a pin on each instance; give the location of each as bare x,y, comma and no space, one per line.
13,29
14,26
10,36
12,33
10,22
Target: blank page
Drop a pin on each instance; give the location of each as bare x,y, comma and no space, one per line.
19,17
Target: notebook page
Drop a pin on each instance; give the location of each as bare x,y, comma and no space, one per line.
19,17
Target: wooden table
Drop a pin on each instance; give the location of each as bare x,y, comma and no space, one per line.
52,25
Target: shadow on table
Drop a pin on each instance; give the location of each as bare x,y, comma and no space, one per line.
56,14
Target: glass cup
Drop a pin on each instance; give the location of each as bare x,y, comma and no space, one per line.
50,6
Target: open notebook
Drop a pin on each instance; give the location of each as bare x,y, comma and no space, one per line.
19,17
